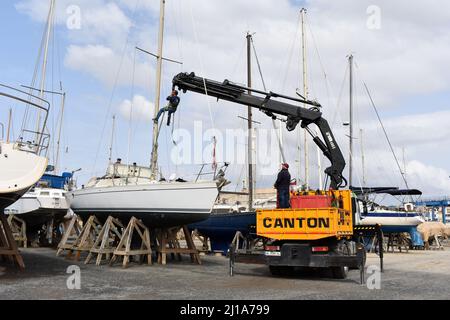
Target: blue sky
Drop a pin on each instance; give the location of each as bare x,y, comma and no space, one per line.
403,62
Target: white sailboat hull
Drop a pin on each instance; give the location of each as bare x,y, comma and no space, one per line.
160,204
19,170
392,219
40,206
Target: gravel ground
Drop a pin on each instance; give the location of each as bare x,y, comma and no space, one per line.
413,275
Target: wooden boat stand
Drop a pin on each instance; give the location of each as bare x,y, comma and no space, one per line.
203,239
124,249
168,243
8,246
70,236
101,240
85,239
19,230
106,241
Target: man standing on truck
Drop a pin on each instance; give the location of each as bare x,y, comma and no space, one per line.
282,185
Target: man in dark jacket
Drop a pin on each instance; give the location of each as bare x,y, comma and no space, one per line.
171,107
282,185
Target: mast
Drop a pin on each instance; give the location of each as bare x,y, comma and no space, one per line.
250,126
112,138
154,158
58,143
404,161
9,125
362,158
350,61
305,94
44,64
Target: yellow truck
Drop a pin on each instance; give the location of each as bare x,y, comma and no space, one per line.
311,237
323,235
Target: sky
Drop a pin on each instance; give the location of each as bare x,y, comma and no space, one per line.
400,50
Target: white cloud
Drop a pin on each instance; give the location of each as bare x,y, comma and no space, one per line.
405,59
433,180
103,64
138,109
102,21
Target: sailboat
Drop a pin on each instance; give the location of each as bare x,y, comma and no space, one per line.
22,162
45,200
128,190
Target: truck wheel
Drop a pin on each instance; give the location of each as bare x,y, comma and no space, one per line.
339,272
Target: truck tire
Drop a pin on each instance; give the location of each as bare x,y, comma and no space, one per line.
339,272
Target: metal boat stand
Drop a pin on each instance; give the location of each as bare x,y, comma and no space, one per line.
8,246
373,232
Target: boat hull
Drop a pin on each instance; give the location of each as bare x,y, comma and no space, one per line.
157,205
221,228
19,171
393,222
8,198
37,211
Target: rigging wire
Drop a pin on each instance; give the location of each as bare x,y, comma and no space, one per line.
194,27
385,133
291,53
130,123
116,81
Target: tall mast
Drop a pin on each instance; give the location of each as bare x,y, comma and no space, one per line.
44,64
362,158
250,126
305,94
154,159
350,61
9,125
112,138
61,119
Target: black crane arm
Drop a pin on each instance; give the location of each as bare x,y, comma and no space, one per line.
266,103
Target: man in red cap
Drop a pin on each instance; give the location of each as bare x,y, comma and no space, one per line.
282,185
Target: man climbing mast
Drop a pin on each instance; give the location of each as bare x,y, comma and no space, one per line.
171,107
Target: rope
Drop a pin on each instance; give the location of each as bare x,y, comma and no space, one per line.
173,127
201,65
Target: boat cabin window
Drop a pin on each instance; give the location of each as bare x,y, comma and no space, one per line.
44,193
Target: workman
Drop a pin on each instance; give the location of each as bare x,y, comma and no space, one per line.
171,107
282,185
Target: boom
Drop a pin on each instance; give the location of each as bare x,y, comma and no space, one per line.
266,103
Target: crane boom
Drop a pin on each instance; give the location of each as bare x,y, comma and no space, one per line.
270,104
